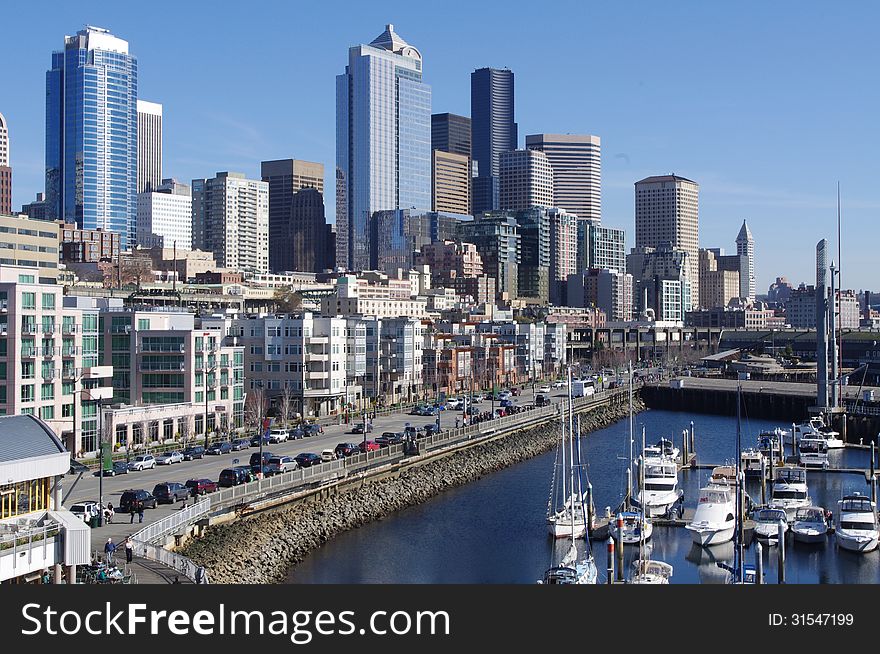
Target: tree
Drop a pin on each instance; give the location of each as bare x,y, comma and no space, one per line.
286,404
129,270
288,300
255,408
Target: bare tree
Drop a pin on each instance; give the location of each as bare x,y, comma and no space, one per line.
286,404
255,408
288,300
129,270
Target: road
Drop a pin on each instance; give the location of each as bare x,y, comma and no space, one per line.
759,386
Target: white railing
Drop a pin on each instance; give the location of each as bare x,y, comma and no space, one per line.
177,562
172,522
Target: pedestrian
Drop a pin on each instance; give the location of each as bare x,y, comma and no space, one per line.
131,510
109,548
456,423
200,575
129,550
140,513
110,512
176,579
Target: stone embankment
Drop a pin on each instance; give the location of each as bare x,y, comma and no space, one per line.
263,548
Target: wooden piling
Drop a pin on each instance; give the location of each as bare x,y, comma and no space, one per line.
610,579
759,563
781,553
620,547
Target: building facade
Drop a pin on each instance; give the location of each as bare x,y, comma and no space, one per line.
526,180
745,247
92,134
165,216
718,286
600,247
31,243
149,135
577,171
383,140
497,238
5,169
493,131
451,133
563,252
450,182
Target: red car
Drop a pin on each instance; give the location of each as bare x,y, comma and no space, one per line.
369,446
201,486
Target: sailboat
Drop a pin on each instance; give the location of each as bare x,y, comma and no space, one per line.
645,569
574,567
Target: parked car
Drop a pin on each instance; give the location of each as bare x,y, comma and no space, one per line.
201,486
453,403
506,402
279,464
390,438
169,492
559,384
119,468
232,477
247,473
277,435
544,389
137,500
328,455
219,447
541,400
142,462
308,459
255,440
240,444
296,433
85,511
368,446
514,391
347,449
167,458
195,452
359,428
255,459
312,429
431,429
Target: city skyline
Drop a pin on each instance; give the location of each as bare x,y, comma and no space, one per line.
699,134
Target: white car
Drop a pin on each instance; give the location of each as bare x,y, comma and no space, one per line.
559,384
85,511
328,455
544,389
453,403
143,462
278,435
168,458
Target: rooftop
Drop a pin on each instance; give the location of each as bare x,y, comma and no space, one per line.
665,178
24,437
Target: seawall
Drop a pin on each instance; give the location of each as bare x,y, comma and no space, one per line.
262,548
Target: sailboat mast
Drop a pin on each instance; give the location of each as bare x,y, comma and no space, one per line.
631,429
739,489
571,445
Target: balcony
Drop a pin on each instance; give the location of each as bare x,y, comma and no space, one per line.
69,328
317,375
159,348
314,356
153,366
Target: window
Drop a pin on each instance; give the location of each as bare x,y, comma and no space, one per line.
48,301
27,393
47,412
28,370
143,323
47,392
26,279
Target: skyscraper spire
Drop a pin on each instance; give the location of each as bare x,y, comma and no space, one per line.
745,247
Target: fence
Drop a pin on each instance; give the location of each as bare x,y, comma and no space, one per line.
171,559
172,522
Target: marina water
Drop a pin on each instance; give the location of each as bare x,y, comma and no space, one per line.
494,531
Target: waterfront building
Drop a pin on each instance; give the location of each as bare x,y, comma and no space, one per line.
92,134
5,169
348,301
394,368
525,180
563,252
383,140
149,135
661,282
667,215
609,290
800,309
493,131
165,216
533,273
30,243
749,317
497,238
576,163
230,217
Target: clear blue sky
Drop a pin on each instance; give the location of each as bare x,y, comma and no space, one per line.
766,105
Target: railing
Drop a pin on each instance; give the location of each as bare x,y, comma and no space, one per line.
172,522
173,560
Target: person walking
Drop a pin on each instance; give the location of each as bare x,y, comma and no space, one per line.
131,510
140,513
129,550
109,549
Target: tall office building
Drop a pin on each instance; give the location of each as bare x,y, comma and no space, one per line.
577,171
745,247
718,285
5,169
497,238
526,180
533,274
493,131
165,216
300,243
563,251
383,140
91,133
451,133
230,217
600,247
450,182
667,215
149,132
286,177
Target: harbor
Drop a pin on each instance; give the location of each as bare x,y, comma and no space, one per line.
493,530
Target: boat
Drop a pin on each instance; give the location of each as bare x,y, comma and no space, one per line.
660,495
723,475
810,525
663,448
816,426
649,571
635,525
790,491
714,519
813,451
566,506
767,523
857,529
770,444
752,462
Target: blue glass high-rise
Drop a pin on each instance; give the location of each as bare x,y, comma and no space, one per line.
91,134
493,131
383,141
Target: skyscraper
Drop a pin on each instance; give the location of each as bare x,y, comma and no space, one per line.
230,217
493,131
300,242
526,180
450,182
745,247
5,169
667,215
149,132
286,177
383,140
576,163
165,216
91,133
451,133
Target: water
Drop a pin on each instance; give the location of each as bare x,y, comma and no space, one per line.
493,530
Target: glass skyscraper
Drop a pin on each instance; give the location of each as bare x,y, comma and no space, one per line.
383,141
493,131
91,134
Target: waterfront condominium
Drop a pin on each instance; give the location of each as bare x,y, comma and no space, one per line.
493,131
576,163
5,169
526,180
230,217
149,145
667,215
383,140
92,133
165,216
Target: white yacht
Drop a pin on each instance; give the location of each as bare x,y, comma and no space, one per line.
816,426
813,451
572,570
635,527
857,526
770,443
810,525
661,492
648,571
663,448
767,523
562,524
790,491
751,462
714,519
